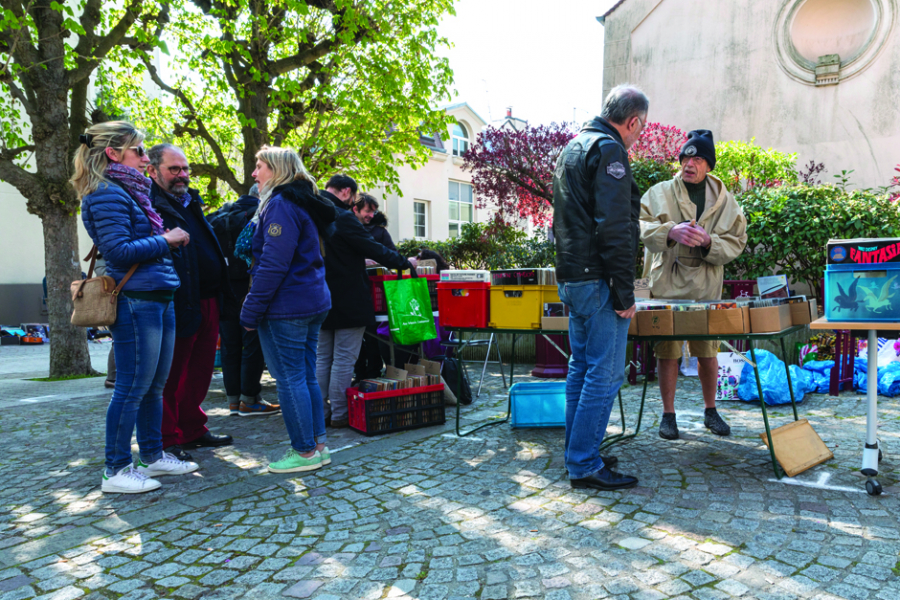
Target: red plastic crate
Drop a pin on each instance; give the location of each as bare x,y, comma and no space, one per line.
377,285
374,413
464,303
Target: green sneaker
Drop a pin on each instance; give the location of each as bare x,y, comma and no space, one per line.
294,462
326,456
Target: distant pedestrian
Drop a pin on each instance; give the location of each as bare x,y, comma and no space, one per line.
118,215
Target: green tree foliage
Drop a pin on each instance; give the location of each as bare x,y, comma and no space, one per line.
648,172
744,165
787,228
349,84
485,246
48,53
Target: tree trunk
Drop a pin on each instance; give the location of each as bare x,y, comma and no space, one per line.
68,344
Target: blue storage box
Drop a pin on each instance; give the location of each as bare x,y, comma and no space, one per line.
863,292
541,404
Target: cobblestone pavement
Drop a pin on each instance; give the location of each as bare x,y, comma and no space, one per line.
424,514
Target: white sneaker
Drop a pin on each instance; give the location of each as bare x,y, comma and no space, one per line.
128,481
167,465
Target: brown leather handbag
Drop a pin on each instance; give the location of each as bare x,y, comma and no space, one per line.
95,298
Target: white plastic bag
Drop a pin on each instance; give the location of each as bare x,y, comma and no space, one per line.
730,367
688,362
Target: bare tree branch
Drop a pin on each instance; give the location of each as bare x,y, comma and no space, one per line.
302,59
28,184
106,43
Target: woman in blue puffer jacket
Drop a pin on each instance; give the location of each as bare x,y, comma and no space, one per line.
117,214
289,299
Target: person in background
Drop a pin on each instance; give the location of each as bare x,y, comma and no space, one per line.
204,296
242,356
346,249
289,299
369,364
118,215
378,228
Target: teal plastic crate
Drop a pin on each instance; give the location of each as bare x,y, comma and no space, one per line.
541,404
863,292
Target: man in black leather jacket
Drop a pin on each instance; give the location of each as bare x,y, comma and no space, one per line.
596,210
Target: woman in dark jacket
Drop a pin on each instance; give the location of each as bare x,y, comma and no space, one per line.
289,300
118,216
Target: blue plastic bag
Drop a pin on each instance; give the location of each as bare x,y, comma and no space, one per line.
888,378
774,381
821,372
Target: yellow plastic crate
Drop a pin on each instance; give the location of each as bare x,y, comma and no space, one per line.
520,306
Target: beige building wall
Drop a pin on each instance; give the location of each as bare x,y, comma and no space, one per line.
429,184
746,69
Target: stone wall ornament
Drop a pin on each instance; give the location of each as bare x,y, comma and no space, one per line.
833,67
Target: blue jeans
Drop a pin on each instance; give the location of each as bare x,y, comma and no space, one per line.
597,336
144,336
289,346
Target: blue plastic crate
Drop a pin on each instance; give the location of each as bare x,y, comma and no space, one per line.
541,404
862,292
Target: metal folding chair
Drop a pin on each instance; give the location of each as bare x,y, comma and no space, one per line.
489,342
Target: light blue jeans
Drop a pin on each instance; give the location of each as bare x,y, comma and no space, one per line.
144,336
289,346
597,336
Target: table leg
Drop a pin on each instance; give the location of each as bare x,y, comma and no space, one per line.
620,437
787,368
512,361
459,377
762,402
871,451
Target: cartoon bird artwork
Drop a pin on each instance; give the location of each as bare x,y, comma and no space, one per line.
882,300
847,300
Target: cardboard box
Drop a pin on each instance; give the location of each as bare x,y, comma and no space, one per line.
770,319
692,322
804,313
656,322
728,321
632,326
555,323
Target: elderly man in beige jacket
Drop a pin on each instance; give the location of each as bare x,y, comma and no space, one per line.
691,227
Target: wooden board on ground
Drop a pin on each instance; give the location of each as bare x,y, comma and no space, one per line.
797,447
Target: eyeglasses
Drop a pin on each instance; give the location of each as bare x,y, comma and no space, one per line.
178,170
641,121
139,150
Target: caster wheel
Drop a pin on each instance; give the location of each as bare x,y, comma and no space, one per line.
873,488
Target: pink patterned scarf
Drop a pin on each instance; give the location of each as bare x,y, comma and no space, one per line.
138,187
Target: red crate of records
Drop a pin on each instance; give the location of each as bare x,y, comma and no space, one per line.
373,413
464,303
377,285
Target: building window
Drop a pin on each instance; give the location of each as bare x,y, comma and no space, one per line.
462,207
460,139
420,220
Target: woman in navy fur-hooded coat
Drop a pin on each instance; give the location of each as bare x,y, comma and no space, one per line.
289,299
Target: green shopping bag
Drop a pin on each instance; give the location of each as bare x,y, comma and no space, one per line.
409,310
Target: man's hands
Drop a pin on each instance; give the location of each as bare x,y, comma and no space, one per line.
176,237
690,234
628,313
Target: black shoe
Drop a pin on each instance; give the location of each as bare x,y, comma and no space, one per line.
605,479
210,440
178,452
609,461
668,428
715,423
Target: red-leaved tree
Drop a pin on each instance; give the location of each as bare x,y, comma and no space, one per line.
512,171
658,142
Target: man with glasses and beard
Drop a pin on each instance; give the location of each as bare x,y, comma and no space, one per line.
204,295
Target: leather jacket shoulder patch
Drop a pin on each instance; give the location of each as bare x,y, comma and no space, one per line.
615,169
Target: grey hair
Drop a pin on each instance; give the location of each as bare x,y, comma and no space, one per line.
155,153
254,190
624,102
